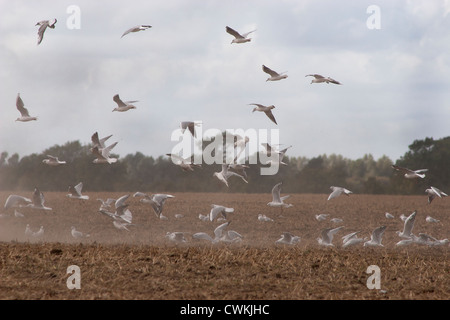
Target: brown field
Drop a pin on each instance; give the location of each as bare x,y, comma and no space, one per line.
143,264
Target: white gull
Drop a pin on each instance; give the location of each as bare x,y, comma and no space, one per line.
321,79
434,192
326,236
277,200
266,109
38,200
238,38
220,235
43,25
274,76
337,191
103,155
351,239
15,200
408,226
24,114
75,192
376,237
225,174
156,201
288,238
410,174
218,209
100,143
136,29
123,106
53,161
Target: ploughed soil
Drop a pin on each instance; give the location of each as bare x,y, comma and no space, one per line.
143,263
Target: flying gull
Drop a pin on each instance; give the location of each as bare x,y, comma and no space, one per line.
218,209
376,237
410,174
337,191
326,236
24,114
136,29
15,200
53,161
239,38
288,238
274,76
266,109
156,201
320,79
100,143
225,174
123,106
102,155
434,192
277,200
408,226
75,192
351,239
220,235
43,26
38,200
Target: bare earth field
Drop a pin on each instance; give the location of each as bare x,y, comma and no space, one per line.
143,264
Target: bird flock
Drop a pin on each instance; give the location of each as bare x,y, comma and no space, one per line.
122,218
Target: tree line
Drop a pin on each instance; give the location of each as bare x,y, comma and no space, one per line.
138,172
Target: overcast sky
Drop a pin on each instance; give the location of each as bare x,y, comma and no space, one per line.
395,78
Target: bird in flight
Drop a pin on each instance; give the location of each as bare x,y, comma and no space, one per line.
136,29
239,38
434,192
224,175
53,161
410,174
266,109
277,199
123,106
337,191
43,26
321,79
24,114
274,76
376,237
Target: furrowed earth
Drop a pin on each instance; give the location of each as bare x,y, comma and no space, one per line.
144,264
